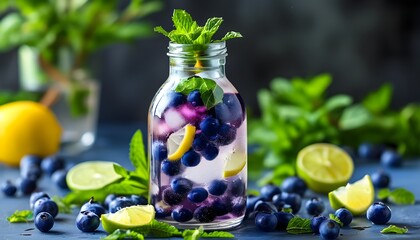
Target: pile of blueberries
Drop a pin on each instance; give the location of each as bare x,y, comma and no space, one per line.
88,220
275,207
32,168
388,157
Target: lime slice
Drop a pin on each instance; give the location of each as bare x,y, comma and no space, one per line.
128,218
180,142
235,164
356,197
91,175
324,167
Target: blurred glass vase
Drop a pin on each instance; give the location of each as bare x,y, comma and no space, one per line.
72,94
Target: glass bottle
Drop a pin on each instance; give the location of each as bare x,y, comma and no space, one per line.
197,139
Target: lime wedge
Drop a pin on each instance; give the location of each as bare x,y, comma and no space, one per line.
128,218
180,142
356,197
324,167
91,175
235,164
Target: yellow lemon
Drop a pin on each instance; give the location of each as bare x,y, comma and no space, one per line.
180,142
235,164
128,218
27,128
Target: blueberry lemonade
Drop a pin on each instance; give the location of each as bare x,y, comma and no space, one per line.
198,135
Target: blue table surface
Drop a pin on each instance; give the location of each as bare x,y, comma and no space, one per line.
112,145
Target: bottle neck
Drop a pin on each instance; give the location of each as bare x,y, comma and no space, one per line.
186,60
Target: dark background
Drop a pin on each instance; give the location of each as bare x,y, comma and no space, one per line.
361,43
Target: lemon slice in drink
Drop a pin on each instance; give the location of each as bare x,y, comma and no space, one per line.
91,175
128,218
180,142
356,197
324,167
235,164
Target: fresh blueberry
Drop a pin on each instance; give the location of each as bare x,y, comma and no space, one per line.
226,134
278,201
171,198
344,216
380,179
222,206
8,188
31,171
200,142
30,160
231,110
59,178
198,195
266,221
139,200
51,164
108,199
159,151
238,206
182,214
27,185
316,222
250,204
176,99
217,187
94,207
46,205
119,203
190,158
210,152
210,127
315,206
378,213
194,98
292,199
294,185
44,221
283,219
236,188
181,185
391,159
162,212
35,196
329,230
369,151
267,207
171,168
204,214
87,221
268,191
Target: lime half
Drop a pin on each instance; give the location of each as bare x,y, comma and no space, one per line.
356,197
128,218
91,175
324,167
180,142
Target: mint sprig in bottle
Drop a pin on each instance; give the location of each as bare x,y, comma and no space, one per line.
197,132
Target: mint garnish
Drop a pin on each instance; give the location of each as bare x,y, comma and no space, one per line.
336,219
195,234
394,229
20,216
124,234
210,92
187,31
399,196
298,225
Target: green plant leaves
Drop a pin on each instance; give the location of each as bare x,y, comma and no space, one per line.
298,225
394,229
211,93
20,216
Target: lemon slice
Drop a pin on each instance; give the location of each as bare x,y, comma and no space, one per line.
324,167
180,142
91,175
235,164
128,218
356,197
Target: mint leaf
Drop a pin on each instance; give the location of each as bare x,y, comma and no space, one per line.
20,216
195,234
394,229
379,100
159,230
230,35
121,170
63,207
209,29
138,155
217,234
354,117
383,193
211,93
336,219
160,29
402,196
124,234
298,225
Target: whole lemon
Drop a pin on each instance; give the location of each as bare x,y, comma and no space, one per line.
27,128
